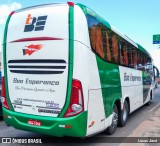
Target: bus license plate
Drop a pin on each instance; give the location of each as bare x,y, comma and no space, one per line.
34,122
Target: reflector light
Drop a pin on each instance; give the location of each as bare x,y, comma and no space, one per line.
6,116
67,126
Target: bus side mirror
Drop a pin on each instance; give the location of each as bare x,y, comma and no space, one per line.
156,71
156,75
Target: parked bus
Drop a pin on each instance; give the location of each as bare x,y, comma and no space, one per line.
68,72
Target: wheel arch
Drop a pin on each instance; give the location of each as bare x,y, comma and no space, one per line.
151,95
126,98
118,104
128,101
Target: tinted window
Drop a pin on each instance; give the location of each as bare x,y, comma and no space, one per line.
108,46
124,53
140,61
148,65
113,48
95,35
103,40
132,57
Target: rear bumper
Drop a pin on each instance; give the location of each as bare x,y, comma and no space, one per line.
50,126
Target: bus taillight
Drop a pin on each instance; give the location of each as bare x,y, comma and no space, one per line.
76,102
4,99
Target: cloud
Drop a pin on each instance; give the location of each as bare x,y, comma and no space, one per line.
6,9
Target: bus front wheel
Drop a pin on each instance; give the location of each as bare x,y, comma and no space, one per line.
112,128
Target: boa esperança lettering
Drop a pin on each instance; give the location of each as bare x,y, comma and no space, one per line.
131,77
35,82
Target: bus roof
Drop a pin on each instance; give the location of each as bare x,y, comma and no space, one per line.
39,6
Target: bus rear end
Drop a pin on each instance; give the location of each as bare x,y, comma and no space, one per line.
38,92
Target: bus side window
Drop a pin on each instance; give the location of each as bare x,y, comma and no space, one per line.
96,40
95,34
143,67
99,43
145,63
130,58
121,55
114,49
92,37
139,61
135,58
124,55
108,47
149,65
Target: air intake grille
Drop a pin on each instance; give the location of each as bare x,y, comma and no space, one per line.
39,66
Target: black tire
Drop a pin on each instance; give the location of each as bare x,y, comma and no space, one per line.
111,129
123,115
149,102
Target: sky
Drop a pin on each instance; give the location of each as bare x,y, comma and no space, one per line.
138,19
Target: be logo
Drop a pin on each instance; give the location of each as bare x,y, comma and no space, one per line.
35,24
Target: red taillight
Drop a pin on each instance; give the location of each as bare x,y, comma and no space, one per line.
76,105
3,92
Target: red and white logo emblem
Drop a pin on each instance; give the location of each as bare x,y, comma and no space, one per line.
31,49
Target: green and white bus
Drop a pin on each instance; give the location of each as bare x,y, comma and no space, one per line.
68,72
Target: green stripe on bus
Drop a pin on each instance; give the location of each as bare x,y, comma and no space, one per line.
5,61
70,58
110,84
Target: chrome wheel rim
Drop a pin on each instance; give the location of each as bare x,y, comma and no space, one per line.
114,119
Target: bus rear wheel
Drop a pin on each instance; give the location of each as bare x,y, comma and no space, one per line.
112,128
123,115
